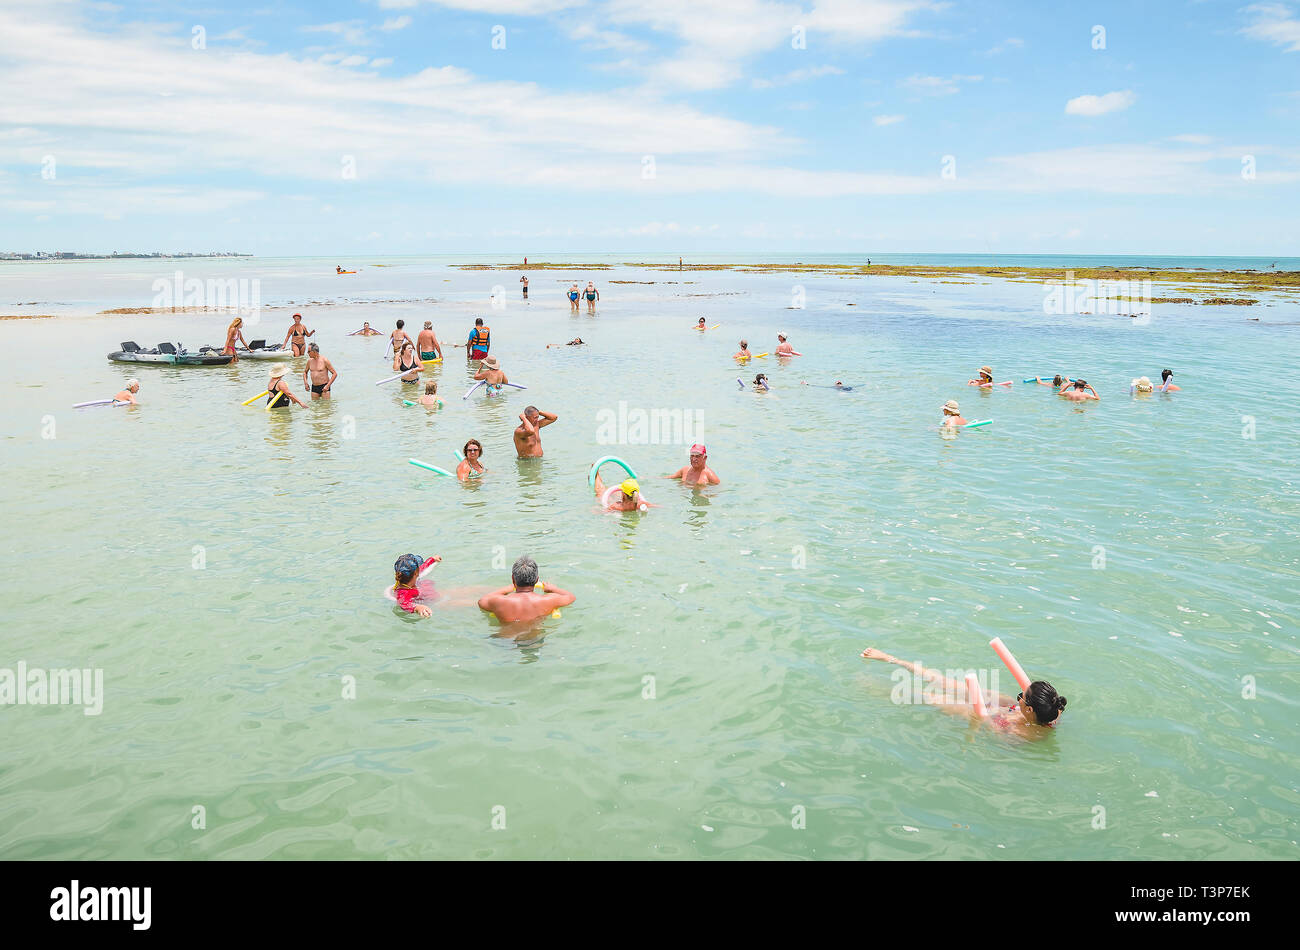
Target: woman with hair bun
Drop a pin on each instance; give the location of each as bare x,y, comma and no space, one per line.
1040,705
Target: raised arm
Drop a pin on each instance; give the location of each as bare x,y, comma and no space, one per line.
547,418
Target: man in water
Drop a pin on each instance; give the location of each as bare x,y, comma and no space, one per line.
592,295
298,333
366,330
492,372
528,438
520,600
479,341
698,472
573,296
524,281
743,353
128,394
783,348
428,344
319,375
1079,392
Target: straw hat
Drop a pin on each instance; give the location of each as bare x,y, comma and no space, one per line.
278,370
1143,384
987,371
491,362
951,406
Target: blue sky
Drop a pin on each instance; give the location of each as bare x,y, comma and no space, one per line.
117,133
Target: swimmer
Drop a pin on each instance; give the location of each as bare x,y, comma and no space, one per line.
366,330
1142,386
760,383
338,269
528,438
234,332
952,414
1079,391
524,281
407,363
784,347
698,471
985,378
472,466
520,600
397,338
629,500
128,394
430,397
319,374
492,372
573,296
1167,381
576,341
428,345
277,393
1056,381
701,325
1040,705
409,586
592,295
298,333
743,353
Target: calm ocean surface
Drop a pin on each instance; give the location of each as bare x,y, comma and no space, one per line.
224,567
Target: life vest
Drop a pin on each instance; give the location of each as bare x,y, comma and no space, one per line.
480,336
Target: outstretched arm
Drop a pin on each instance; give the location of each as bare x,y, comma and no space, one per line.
934,676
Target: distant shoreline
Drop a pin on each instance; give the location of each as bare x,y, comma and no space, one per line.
73,256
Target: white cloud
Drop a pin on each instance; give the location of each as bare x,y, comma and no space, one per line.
1010,42
1274,23
396,23
350,31
936,85
887,119
1100,105
593,38
798,75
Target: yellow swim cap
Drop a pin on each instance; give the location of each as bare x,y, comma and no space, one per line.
630,487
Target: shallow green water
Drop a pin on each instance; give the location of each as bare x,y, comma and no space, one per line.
844,520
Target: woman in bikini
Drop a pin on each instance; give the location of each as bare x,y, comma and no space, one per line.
1038,706
472,465
234,332
298,333
408,363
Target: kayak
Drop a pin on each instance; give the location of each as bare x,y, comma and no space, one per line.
168,354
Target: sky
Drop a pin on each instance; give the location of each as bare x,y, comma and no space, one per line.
543,127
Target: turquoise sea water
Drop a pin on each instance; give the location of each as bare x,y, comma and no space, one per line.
224,567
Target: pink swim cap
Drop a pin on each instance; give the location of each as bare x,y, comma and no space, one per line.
698,449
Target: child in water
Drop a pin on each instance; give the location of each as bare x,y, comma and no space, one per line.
430,397
409,585
1040,705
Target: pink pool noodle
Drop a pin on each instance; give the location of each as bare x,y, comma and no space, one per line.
975,696
1017,671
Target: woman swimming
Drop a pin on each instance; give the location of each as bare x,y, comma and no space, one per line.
760,383
985,378
472,465
952,414
1040,705
1057,381
409,584
1167,381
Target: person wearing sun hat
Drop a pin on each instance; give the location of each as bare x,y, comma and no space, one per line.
698,471
1143,385
277,393
952,414
985,377
491,371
